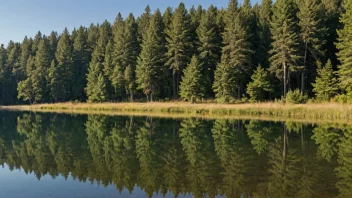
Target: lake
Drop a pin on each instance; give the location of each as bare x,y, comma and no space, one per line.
58,155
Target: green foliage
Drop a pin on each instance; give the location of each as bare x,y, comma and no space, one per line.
235,59
296,97
61,74
147,55
345,50
81,58
96,83
178,44
191,85
325,84
150,62
210,46
260,85
126,50
285,41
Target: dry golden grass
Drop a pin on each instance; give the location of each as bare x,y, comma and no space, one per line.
326,111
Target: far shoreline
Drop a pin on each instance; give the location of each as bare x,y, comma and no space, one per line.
330,112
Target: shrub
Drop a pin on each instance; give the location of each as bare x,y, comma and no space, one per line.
343,99
295,97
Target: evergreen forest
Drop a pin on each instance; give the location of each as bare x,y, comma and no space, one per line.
297,49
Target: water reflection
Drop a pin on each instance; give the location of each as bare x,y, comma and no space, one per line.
230,158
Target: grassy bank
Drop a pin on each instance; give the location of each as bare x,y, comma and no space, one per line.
329,111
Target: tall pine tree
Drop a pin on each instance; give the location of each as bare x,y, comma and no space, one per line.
191,85
81,58
209,48
126,50
312,35
285,42
61,74
344,46
151,59
235,59
96,80
179,44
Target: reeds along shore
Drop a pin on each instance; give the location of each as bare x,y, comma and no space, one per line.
327,111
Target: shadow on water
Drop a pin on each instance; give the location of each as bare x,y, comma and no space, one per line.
180,157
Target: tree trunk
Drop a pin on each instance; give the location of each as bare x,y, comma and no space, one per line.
174,83
285,80
305,65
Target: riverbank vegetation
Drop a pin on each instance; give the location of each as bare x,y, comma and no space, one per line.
327,111
299,49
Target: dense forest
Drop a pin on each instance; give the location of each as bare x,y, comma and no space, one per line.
293,48
233,158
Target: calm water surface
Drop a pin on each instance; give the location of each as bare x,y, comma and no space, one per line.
56,155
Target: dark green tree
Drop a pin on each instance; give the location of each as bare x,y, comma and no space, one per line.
235,59
260,85
61,74
179,44
285,42
143,23
345,51
96,80
150,64
325,84
126,50
39,76
210,47
191,87
265,14
312,34
81,58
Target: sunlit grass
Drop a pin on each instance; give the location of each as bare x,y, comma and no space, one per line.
327,111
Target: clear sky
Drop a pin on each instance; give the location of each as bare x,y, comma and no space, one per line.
19,18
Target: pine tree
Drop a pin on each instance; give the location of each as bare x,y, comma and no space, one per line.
330,15
39,76
38,37
191,85
81,58
96,81
312,35
15,72
345,50
195,17
143,23
151,59
264,32
13,61
178,44
126,50
25,53
325,86
166,89
93,36
260,85
61,74
210,47
25,87
249,18
53,39
4,75
285,42
236,57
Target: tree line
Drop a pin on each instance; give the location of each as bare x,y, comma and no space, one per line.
261,52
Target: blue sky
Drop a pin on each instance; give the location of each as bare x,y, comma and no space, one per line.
25,17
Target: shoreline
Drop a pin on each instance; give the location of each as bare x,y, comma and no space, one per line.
330,112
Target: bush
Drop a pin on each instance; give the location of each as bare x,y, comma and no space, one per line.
295,97
342,99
